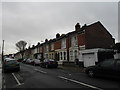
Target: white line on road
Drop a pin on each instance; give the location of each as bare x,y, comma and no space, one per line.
40,71
80,83
16,79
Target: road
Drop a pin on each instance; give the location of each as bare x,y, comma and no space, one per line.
36,77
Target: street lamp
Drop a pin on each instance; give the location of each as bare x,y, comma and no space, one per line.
2,50
2,54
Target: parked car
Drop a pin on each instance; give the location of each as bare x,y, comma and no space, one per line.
107,68
19,60
24,60
10,64
47,63
36,62
29,61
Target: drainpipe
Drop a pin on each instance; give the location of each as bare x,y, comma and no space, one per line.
2,54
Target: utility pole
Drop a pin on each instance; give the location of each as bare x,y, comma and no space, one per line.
2,54
3,51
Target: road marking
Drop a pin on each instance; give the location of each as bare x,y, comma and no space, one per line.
80,83
16,79
40,71
4,86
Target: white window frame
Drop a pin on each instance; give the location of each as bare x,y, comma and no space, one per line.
63,43
47,48
74,41
52,46
71,55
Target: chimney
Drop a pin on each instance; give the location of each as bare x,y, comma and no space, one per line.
77,27
38,43
84,26
57,35
46,40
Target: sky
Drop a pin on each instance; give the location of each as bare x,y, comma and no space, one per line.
33,22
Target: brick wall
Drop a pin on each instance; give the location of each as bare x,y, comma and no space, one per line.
57,45
81,39
98,37
68,42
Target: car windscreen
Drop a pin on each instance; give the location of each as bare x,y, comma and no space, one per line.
12,62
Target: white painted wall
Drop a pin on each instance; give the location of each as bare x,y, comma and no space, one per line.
88,57
72,54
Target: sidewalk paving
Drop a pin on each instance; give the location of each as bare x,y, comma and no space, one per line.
74,69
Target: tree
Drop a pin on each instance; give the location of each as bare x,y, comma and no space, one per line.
21,47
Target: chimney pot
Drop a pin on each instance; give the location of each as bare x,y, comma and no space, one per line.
77,27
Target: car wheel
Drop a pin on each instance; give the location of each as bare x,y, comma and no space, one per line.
18,69
46,65
91,73
5,71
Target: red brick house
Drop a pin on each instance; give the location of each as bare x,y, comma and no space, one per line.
66,47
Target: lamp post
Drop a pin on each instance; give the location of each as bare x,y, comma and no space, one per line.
2,50
2,54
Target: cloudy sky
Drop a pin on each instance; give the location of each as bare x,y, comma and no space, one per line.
36,21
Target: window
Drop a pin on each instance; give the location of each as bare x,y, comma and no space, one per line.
71,55
52,46
118,65
40,49
64,43
52,55
47,47
75,54
75,38
64,55
61,55
74,41
46,55
107,64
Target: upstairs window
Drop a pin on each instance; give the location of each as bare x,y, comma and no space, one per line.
47,48
63,43
74,41
52,46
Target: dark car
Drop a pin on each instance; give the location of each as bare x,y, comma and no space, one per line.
47,63
19,60
107,68
10,64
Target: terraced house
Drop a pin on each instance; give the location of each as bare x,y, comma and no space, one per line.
66,47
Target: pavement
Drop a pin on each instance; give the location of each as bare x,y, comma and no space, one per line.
72,68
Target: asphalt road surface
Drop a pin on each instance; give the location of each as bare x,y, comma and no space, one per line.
36,77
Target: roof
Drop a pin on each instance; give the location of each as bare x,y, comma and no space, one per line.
96,50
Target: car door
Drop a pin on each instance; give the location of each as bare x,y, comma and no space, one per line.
118,68
106,68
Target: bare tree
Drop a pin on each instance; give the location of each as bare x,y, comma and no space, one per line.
21,47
